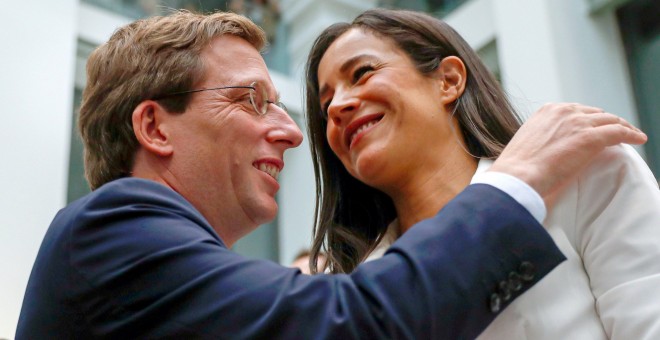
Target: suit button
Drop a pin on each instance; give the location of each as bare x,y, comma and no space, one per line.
504,290
515,282
495,303
527,271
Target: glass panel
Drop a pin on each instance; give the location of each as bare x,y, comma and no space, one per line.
488,55
640,29
265,13
77,185
144,8
602,5
437,7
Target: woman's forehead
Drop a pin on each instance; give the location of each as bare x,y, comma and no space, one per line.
356,42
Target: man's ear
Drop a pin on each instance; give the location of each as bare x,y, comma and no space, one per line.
453,76
151,133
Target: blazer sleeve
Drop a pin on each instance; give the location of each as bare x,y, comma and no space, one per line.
618,219
165,276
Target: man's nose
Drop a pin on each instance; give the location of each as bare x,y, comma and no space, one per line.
286,131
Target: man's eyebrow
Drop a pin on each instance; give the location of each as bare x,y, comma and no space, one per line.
346,66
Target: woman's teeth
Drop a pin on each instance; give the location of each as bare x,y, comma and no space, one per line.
362,128
270,169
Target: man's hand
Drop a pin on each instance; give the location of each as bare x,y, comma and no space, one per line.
558,141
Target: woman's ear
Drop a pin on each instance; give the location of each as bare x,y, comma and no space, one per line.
151,133
453,77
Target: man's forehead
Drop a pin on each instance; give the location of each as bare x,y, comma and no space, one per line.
232,59
227,45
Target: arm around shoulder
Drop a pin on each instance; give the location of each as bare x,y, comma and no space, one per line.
156,269
469,261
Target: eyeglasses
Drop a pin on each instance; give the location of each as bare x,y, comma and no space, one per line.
258,97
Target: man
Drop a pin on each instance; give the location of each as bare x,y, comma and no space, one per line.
184,140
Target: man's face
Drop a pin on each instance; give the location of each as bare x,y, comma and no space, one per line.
226,156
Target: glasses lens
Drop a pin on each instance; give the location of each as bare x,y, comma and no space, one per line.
282,106
258,98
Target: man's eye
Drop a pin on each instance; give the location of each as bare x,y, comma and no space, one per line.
361,71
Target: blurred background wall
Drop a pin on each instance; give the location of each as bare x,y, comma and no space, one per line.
599,52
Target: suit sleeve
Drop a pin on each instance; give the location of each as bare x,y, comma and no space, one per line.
165,276
619,234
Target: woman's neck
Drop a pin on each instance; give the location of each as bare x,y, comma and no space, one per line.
431,187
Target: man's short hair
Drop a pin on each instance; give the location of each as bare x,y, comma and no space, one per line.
143,60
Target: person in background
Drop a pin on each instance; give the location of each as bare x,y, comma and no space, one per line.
302,262
184,138
403,116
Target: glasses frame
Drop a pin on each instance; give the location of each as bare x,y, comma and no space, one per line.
261,110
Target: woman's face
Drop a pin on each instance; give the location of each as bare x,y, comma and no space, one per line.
385,120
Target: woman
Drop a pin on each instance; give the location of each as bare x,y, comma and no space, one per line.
402,114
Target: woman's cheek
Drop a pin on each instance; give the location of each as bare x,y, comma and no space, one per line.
333,135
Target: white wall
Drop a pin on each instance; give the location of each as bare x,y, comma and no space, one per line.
36,91
552,50
590,58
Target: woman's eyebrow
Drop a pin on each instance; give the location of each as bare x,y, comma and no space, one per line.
346,66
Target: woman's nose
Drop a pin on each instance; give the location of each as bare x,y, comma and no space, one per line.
342,105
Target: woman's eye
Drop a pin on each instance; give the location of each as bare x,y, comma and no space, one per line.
361,71
324,110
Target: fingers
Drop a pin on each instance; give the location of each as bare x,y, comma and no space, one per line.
612,134
585,108
602,128
605,118
611,129
566,136
568,108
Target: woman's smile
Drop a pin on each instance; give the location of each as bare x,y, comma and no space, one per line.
355,130
379,107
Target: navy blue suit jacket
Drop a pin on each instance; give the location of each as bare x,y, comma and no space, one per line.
134,259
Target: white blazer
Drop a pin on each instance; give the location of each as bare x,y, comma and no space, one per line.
607,223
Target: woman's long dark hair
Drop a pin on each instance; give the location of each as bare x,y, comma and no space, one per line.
350,216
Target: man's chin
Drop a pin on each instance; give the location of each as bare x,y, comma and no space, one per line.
267,213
